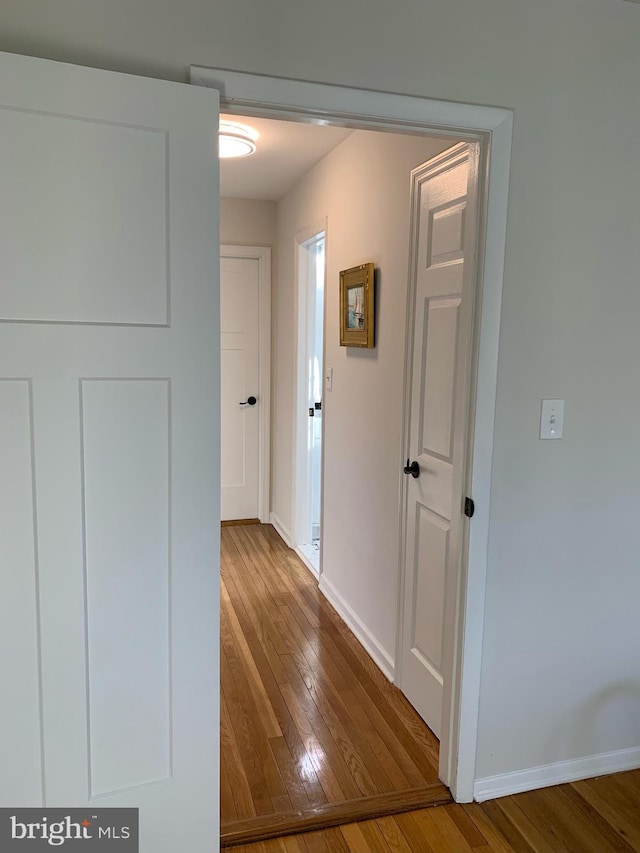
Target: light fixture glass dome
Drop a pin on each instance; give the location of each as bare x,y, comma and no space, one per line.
235,139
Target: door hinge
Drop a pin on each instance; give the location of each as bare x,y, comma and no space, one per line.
469,507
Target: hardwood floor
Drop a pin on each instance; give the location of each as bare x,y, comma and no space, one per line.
310,728
313,735
597,816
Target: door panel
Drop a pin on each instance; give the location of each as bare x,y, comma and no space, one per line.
19,661
125,430
445,234
233,421
432,546
442,297
94,177
109,408
440,335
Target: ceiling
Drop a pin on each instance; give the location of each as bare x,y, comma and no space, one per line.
286,151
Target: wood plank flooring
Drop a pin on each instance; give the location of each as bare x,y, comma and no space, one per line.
308,722
597,816
314,735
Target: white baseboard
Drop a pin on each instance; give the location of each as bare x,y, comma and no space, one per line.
381,657
556,774
304,559
281,529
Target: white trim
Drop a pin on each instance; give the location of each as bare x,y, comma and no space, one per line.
314,102
317,101
262,254
299,467
280,529
474,575
372,646
307,562
557,773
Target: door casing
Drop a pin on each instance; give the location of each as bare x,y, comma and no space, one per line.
491,127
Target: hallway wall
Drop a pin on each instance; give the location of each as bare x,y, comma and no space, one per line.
248,221
362,187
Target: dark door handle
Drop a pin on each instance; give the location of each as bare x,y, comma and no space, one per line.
413,469
250,401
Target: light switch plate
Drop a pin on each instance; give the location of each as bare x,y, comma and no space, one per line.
552,419
328,378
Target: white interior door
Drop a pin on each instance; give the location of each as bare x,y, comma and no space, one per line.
109,420
315,331
442,308
308,410
244,297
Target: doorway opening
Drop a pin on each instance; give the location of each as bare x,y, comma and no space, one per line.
492,128
308,407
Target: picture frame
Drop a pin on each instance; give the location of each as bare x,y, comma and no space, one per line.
357,307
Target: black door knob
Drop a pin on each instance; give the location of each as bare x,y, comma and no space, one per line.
413,469
250,401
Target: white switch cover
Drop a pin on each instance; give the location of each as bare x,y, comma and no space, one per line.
328,378
552,419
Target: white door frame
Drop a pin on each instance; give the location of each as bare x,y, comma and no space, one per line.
492,127
300,468
262,254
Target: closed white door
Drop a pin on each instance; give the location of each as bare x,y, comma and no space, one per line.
109,420
243,292
441,305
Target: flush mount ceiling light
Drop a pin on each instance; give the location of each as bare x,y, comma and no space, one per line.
236,140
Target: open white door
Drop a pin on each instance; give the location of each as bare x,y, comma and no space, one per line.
441,310
308,413
109,483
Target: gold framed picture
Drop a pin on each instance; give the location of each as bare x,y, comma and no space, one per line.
357,300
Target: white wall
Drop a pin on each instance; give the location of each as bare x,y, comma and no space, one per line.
362,187
561,671
247,221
